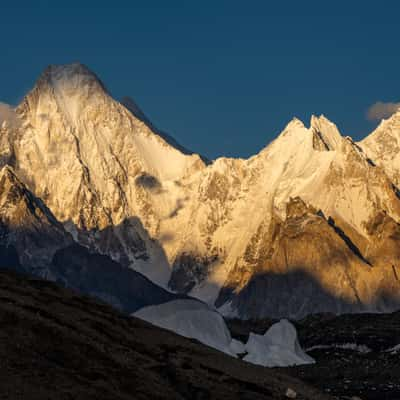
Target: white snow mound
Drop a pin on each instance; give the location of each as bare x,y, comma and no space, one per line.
278,347
192,319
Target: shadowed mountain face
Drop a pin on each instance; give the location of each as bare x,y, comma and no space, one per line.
97,172
27,226
9,259
100,276
56,344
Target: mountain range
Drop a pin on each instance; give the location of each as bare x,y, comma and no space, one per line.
96,197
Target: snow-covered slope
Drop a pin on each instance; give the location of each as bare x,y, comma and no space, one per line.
233,231
131,105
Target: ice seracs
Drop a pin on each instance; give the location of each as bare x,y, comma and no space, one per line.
278,347
192,319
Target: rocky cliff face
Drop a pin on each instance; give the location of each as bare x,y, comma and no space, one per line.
27,226
34,242
313,213
306,264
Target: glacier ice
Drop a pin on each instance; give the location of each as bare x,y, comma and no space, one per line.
278,347
192,319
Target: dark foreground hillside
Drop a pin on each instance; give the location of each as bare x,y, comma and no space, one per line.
55,344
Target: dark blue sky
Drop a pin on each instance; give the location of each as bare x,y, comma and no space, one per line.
222,77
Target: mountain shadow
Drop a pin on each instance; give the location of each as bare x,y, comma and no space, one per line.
130,244
37,244
100,276
9,258
295,294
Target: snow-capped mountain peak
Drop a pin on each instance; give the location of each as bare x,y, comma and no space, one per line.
293,125
74,128
322,135
123,188
71,76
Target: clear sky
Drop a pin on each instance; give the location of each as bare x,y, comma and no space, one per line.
222,77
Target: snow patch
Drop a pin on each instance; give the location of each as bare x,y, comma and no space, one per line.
360,348
393,350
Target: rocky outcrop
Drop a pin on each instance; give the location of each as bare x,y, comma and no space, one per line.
307,264
28,229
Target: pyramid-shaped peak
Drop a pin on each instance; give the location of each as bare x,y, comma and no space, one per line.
294,132
294,124
58,71
69,77
294,128
68,88
290,138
